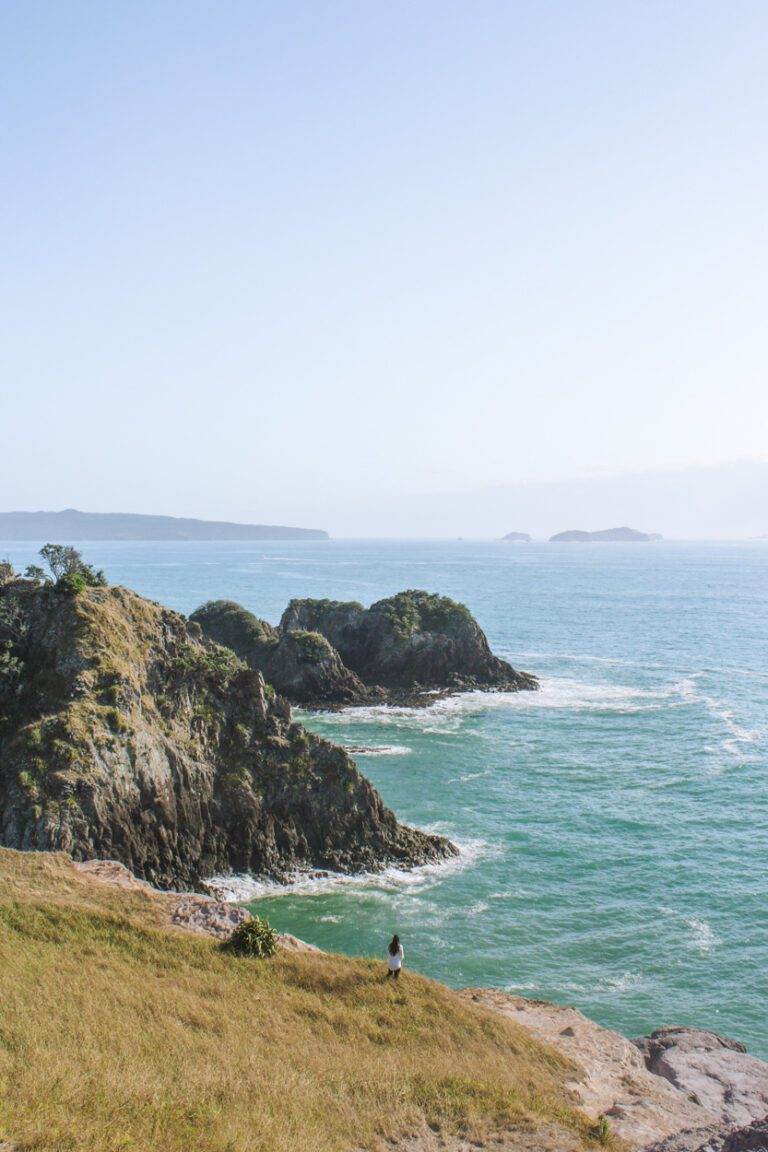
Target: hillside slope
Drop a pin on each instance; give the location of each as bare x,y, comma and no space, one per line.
119,1033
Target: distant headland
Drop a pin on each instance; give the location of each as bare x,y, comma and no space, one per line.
607,535
73,525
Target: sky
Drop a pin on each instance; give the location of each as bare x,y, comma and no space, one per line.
337,264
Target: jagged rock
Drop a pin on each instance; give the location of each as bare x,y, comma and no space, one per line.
409,642
717,1071
299,664
751,1138
124,734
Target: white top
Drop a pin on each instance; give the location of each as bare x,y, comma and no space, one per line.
396,961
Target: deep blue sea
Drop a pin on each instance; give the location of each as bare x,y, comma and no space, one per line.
614,826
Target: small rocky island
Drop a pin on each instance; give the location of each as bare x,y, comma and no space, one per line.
517,537
605,536
127,734
407,649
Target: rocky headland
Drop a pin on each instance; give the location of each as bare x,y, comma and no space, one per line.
410,648
125,733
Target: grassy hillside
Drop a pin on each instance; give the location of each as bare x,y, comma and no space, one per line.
118,1033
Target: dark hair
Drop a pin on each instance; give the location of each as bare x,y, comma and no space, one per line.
394,945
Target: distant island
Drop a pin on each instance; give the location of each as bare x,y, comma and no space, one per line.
607,535
523,536
73,525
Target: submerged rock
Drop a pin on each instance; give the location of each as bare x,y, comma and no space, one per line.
127,735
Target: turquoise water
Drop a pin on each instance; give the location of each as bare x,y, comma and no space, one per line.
614,826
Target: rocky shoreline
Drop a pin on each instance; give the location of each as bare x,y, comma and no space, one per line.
676,1090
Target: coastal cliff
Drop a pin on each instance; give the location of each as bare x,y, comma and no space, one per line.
409,648
125,733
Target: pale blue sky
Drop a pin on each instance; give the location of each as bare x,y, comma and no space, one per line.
293,261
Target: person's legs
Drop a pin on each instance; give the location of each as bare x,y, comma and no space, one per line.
396,973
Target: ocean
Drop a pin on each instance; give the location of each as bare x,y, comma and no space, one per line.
613,826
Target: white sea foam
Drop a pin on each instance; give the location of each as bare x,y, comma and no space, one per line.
378,749
737,734
703,938
478,908
556,693
239,887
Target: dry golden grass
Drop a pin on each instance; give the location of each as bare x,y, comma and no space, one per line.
119,1034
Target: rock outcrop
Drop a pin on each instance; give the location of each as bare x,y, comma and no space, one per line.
409,643
612,1079
409,649
750,1138
677,1090
299,664
125,734
718,1072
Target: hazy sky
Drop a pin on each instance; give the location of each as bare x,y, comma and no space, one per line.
293,261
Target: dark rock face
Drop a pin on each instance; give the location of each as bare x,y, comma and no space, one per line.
299,664
412,640
125,735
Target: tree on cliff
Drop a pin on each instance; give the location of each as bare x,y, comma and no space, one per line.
68,569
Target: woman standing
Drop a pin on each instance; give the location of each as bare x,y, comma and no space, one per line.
395,957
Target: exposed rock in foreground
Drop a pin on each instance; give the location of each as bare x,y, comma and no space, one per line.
409,648
124,734
719,1072
678,1090
641,1108
751,1138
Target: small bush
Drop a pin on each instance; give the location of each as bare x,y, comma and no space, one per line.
254,937
71,582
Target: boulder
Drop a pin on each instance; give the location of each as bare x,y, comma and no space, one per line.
716,1071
